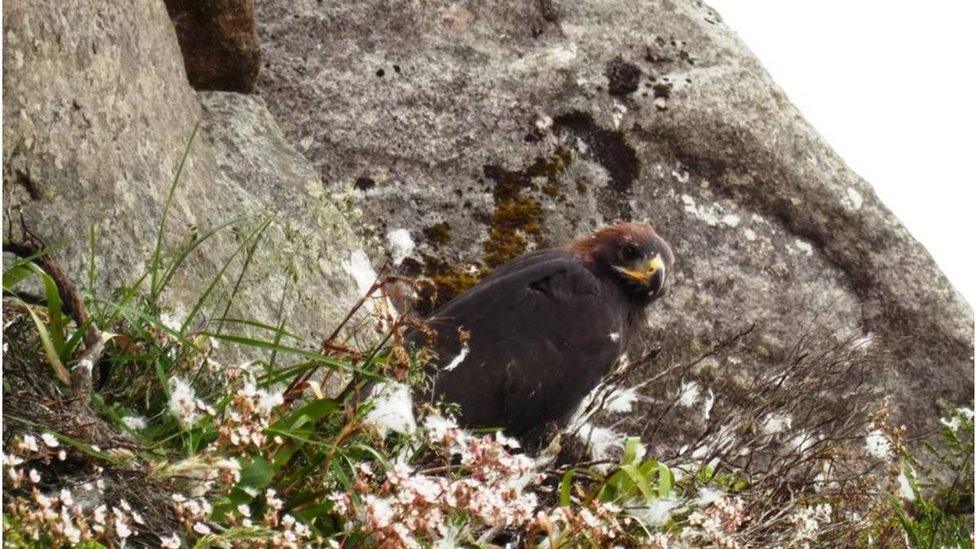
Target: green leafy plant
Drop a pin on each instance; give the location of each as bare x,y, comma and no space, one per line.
940,511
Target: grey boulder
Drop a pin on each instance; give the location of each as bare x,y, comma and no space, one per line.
485,130
98,113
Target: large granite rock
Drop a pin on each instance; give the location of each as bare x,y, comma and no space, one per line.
98,113
487,129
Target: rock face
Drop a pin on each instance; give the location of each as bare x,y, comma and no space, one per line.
218,41
488,129
98,113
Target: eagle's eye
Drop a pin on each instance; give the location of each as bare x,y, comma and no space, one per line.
630,252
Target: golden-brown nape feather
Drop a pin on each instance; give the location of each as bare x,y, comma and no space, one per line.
612,236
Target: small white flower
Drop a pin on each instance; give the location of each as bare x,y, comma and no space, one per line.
244,510
34,476
50,440
269,400
183,402
506,441
100,513
29,443
72,533
379,512
201,528
271,498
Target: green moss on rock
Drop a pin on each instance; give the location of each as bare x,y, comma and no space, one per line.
448,281
517,216
438,233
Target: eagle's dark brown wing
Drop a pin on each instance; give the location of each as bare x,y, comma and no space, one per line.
544,330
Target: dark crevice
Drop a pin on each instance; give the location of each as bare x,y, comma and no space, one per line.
22,178
608,148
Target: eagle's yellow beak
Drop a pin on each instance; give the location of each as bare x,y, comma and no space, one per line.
644,275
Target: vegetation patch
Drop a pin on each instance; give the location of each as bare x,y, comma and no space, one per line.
438,233
516,222
517,217
146,435
448,281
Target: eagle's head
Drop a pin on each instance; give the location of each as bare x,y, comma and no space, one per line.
633,254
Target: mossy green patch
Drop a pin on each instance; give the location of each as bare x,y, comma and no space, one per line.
517,216
449,280
515,222
438,233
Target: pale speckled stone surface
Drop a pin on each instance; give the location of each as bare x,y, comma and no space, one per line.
97,114
767,222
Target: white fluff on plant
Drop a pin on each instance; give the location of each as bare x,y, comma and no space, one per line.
604,442
878,445
401,245
655,512
688,393
621,400
392,409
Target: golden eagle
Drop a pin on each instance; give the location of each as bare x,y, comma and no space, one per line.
524,346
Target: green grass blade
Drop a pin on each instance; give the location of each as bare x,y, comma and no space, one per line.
220,274
281,324
269,345
248,256
15,275
49,351
92,270
157,253
55,318
565,488
640,480
263,326
188,249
